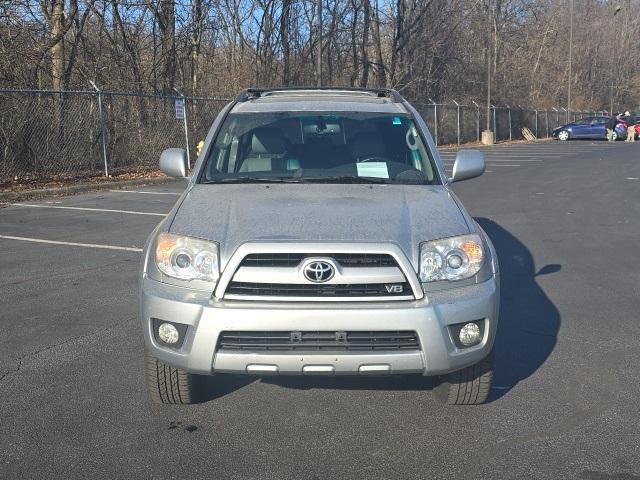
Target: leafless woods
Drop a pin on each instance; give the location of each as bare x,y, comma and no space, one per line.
430,49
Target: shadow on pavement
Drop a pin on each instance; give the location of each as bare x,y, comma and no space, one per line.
392,382
210,388
529,321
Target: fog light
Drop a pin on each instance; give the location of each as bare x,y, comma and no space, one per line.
169,334
470,334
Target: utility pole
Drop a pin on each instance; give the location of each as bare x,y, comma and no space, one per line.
488,135
319,66
611,97
570,57
614,68
489,65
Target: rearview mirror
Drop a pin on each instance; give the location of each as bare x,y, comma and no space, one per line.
468,164
173,162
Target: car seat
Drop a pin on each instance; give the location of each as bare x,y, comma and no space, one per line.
268,152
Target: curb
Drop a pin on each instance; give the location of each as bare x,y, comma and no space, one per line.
71,189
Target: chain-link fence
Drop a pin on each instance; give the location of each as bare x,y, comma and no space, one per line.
46,133
454,123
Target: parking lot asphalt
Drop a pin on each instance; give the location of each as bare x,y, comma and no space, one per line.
565,219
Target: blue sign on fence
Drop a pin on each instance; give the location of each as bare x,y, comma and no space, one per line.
179,109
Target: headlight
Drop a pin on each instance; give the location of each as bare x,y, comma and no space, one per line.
187,258
451,259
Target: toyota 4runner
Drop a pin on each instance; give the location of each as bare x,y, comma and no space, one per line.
319,235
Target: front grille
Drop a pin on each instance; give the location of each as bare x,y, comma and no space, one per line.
365,260
318,340
318,290
294,259
272,260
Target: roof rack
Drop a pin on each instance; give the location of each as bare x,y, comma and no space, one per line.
253,93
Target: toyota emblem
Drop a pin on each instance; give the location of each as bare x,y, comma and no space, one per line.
319,271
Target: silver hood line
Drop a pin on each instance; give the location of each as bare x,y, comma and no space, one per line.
402,214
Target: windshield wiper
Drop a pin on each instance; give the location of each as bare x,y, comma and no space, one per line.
343,179
314,179
253,180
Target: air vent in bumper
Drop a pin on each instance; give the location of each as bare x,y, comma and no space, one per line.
318,340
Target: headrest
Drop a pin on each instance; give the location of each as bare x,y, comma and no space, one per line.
366,145
268,141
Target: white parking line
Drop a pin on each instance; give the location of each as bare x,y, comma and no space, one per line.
107,210
553,148
501,160
523,155
518,154
493,160
73,244
504,165
492,165
145,192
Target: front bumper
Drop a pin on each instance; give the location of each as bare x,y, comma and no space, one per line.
429,317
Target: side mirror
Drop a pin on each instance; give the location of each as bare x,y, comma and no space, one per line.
468,164
173,162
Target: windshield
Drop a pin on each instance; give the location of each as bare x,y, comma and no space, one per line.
308,147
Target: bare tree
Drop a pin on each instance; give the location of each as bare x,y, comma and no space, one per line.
428,48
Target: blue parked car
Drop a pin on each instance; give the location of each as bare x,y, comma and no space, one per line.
589,127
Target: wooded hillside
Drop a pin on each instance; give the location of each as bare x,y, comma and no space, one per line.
427,48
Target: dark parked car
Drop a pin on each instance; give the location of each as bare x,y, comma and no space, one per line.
589,127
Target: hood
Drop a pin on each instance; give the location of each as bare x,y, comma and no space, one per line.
402,214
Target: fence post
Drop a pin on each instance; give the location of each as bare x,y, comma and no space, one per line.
495,130
435,119
458,123
536,123
102,130
186,130
546,121
477,121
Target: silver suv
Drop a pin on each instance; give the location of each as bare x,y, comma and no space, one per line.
318,235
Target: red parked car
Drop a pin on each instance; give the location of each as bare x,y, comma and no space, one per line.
636,124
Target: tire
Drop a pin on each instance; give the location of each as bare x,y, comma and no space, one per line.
563,135
169,385
469,386
614,136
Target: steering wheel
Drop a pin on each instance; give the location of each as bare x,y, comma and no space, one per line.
374,159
